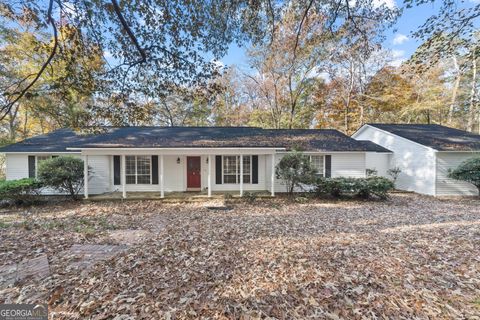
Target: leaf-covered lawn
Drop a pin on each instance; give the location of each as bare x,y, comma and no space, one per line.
410,257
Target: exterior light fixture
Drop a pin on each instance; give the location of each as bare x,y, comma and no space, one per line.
178,160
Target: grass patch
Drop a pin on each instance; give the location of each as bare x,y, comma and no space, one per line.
54,225
4,225
476,303
89,231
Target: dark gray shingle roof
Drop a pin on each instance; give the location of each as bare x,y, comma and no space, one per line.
372,146
435,136
191,137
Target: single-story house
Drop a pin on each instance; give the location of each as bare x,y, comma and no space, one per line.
168,159
424,153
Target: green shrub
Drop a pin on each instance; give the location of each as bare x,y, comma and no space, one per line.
20,191
358,187
376,186
371,172
64,174
329,186
295,170
469,171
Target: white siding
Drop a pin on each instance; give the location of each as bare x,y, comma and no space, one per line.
446,186
350,165
17,166
416,162
379,162
345,164
100,178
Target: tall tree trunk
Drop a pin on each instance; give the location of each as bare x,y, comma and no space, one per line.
361,114
25,123
456,85
12,117
349,97
473,93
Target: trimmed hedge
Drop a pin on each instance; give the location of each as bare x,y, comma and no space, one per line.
64,174
20,191
359,187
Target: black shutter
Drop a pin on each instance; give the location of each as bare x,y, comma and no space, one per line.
154,169
328,166
116,170
218,169
255,169
31,166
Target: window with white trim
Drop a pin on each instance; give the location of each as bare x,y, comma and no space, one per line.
138,169
318,163
231,169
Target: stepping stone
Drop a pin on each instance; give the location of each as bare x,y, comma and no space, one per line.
29,269
129,237
36,268
8,274
87,255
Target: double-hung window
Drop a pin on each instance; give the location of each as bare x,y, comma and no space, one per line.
318,163
138,169
231,169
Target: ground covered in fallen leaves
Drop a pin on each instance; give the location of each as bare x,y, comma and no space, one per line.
409,257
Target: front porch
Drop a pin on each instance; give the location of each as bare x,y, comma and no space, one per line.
177,174
175,196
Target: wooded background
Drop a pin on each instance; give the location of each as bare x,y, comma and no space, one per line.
311,64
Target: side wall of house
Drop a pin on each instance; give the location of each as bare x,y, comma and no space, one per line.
447,186
379,162
416,162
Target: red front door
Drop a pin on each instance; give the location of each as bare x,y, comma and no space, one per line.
193,173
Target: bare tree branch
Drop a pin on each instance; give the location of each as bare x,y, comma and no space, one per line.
132,37
6,108
299,31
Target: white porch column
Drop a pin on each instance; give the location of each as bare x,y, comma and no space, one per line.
123,177
85,176
209,176
162,186
241,176
273,175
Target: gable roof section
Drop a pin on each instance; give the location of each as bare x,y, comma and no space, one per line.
373,147
193,137
435,136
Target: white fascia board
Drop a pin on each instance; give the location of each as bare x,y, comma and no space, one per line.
458,151
330,152
396,135
175,151
43,152
359,130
